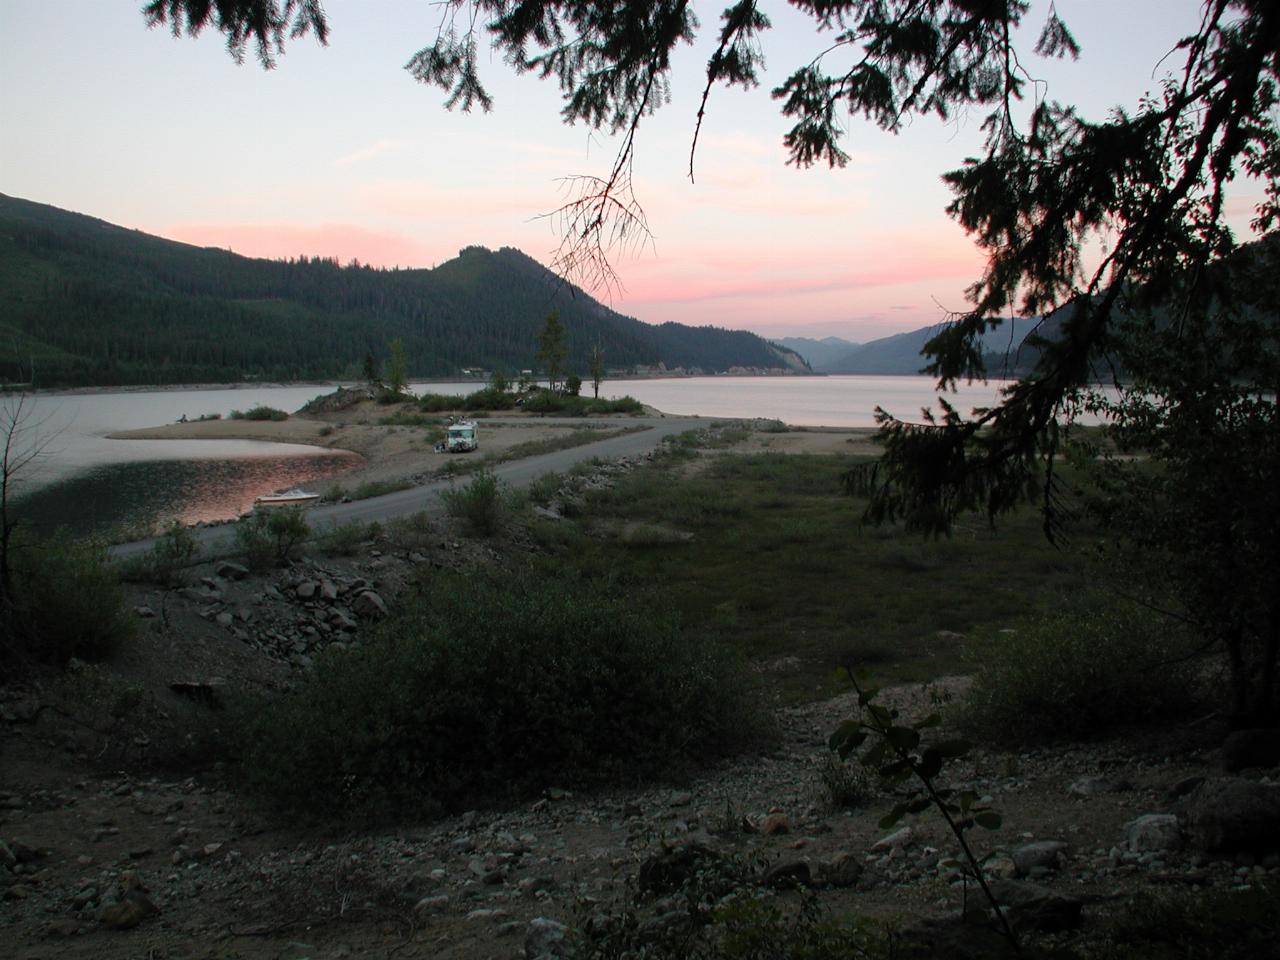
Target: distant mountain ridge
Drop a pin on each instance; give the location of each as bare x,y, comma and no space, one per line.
83,301
902,353
817,352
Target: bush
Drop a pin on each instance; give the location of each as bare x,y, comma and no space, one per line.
1077,674
269,537
481,504
342,539
487,688
489,399
439,402
172,550
65,602
547,401
259,412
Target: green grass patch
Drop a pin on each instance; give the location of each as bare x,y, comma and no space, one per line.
776,563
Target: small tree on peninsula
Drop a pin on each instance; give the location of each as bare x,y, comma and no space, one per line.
551,349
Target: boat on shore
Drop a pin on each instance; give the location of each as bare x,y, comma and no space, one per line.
289,498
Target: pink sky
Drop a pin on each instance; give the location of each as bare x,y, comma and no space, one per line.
339,153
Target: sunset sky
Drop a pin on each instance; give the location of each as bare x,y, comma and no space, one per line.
338,152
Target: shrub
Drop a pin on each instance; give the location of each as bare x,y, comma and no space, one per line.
543,489
843,783
480,504
490,687
548,401
439,402
269,537
341,539
489,399
173,550
66,602
259,412
1076,674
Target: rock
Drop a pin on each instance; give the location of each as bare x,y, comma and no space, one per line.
681,798
898,839
231,571
545,939
842,870
1043,854
1154,832
131,907
306,590
775,823
1244,749
144,612
224,619
1031,906
328,590
369,606
1093,786
1231,815
788,874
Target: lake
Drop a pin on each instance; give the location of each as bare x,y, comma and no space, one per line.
84,482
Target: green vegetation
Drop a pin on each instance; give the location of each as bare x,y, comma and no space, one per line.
481,503
519,681
397,375
63,600
268,538
773,563
89,303
341,539
173,550
366,489
1078,674
259,412
551,349
546,401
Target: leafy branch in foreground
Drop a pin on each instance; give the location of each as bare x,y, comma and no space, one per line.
897,755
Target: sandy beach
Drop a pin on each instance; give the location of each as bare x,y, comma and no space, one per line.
401,453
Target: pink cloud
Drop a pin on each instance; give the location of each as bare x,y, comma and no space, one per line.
279,240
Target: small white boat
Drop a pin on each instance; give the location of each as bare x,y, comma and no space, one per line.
290,498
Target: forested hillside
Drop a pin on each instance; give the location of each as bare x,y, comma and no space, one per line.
85,302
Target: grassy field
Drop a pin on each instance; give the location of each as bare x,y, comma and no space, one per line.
766,551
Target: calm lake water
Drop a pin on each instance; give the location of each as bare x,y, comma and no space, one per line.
86,483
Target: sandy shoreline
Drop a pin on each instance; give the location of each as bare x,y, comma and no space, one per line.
400,453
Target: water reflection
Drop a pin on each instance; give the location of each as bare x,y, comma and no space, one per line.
142,497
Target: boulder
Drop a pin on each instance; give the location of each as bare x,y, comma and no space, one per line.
545,939
306,590
369,606
842,870
1042,855
788,874
1244,749
1154,832
1031,906
231,571
899,838
1230,815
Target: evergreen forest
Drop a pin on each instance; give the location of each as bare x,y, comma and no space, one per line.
84,302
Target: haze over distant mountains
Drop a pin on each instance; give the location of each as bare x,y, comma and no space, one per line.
902,352
85,302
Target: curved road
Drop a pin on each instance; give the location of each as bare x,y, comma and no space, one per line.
216,542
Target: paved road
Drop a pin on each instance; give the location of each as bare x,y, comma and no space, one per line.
219,541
